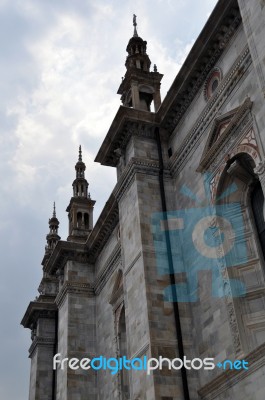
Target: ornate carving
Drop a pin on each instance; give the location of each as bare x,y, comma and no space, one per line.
182,102
80,289
222,147
215,74
260,169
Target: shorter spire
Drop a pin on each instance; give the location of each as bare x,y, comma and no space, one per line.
80,154
135,34
52,237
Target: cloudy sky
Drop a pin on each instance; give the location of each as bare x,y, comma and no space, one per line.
61,65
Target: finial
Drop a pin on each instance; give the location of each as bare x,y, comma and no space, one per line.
80,154
155,68
54,210
135,34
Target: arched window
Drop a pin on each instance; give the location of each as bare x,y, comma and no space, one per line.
79,219
257,202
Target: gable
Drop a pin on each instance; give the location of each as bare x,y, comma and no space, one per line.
222,128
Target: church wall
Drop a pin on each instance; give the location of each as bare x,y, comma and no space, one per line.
212,336
106,251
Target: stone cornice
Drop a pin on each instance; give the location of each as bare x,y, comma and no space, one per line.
40,341
229,378
38,309
63,252
229,82
136,74
80,289
135,165
204,55
84,201
127,121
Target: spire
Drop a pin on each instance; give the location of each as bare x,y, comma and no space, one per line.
80,184
80,208
52,237
135,34
140,87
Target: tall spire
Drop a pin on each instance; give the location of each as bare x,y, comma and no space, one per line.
80,208
140,87
80,184
135,34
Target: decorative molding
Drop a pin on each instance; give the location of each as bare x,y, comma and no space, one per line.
136,165
229,82
130,266
79,289
215,150
215,74
63,252
260,169
140,352
41,342
43,307
227,379
198,77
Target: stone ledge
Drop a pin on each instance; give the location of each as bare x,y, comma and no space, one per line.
229,378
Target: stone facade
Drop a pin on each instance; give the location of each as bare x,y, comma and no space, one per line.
103,290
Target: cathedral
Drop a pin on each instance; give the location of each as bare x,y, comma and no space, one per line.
173,268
